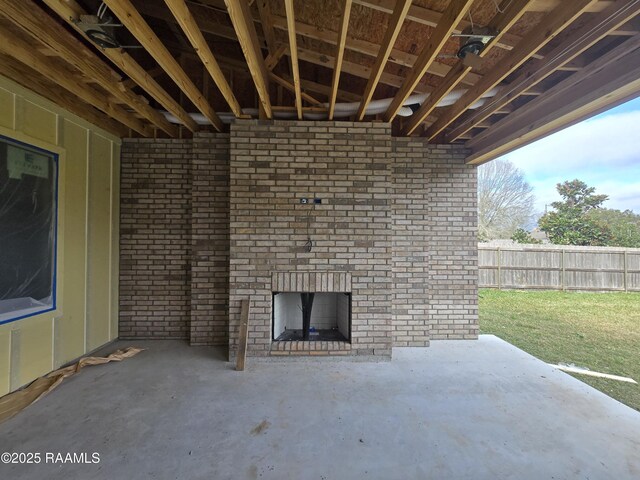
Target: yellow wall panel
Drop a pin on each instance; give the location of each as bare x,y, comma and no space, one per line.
86,314
99,241
6,108
5,355
36,348
70,329
39,122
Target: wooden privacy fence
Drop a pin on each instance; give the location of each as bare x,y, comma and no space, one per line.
556,267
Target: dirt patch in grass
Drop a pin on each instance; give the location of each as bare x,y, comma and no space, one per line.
600,331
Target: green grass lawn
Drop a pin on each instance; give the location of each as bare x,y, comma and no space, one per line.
599,331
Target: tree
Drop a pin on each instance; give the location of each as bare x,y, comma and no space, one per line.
623,225
522,236
570,223
505,200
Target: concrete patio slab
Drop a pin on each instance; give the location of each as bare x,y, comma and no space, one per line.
458,409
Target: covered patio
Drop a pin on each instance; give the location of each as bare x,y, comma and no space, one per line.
459,409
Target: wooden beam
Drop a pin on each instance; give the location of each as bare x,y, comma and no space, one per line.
133,21
34,21
70,11
588,35
326,90
273,58
22,51
33,80
390,36
293,54
248,38
243,336
286,83
365,47
399,57
608,81
431,18
264,11
354,69
507,15
188,24
550,25
450,18
337,66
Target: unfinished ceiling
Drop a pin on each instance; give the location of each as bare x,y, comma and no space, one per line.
529,67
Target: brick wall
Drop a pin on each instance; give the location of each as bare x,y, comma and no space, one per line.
345,164
434,243
398,216
453,245
174,239
155,238
210,240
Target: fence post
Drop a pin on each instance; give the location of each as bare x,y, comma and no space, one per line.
499,274
626,271
562,278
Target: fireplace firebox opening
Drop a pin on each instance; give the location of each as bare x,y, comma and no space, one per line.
311,316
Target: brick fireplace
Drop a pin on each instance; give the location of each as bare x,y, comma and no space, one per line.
210,221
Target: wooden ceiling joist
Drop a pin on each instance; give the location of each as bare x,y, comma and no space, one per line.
293,54
133,21
551,25
326,90
37,23
432,18
619,12
22,51
337,67
190,28
264,11
70,11
509,13
399,57
449,20
365,47
273,58
289,85
390,37
355,69
31,79
610,80
242,21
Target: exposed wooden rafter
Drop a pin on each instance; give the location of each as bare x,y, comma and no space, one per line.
70,11
450,18
22,51
593,31
293,54
37,23
264,11
355,69
133,21
431,18
289,85
509,13
190,27
552,24
390,36
609,80
32,80
246,33
337,67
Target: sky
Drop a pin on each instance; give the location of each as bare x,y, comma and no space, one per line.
603,152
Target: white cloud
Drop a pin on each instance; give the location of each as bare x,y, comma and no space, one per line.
604,152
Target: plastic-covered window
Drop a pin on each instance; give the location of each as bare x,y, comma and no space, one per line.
28,217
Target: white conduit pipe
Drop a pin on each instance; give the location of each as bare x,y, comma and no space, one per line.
344,110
